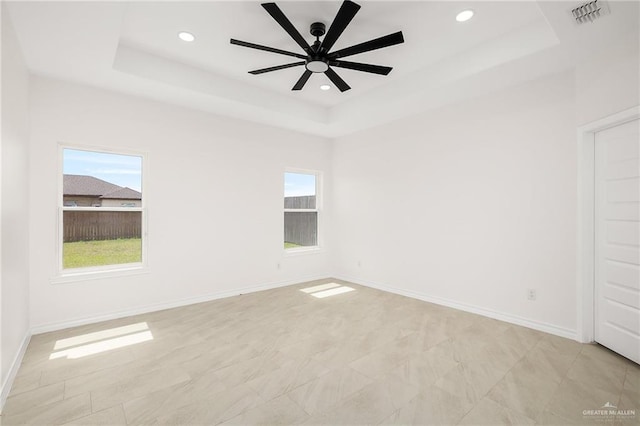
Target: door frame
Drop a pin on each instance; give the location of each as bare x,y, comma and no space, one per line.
586,218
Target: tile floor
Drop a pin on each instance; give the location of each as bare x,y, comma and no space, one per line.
287,357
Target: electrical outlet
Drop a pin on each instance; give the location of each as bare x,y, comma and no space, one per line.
531,294
278,265
359,264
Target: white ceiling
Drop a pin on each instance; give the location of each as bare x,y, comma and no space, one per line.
153,27
133,48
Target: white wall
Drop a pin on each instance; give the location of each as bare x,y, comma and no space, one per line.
214,194
470,205
609,82
14,237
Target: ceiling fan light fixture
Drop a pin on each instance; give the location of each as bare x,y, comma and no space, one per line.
186,36
317,66
325,87
465,15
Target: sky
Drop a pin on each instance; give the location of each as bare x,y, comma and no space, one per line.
297,184
123,170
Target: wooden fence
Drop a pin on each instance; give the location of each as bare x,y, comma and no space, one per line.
101,225
301,202
301,228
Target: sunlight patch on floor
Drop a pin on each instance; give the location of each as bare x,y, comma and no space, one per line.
100,335
332,292
325,290
319,287
101,341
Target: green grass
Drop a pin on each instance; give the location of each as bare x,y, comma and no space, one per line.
290,245
98,253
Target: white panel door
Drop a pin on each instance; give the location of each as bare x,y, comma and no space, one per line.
617,239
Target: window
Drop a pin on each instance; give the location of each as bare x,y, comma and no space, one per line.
101,211
301,208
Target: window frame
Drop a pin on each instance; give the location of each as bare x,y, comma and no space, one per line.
318,210
63,275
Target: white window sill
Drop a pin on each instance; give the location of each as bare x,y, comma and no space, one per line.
302,251
84,275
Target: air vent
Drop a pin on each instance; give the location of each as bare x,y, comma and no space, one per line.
589,12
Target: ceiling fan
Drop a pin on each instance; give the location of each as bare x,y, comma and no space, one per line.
318,58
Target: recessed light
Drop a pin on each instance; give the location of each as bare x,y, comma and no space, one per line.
465,15
185,36
325,87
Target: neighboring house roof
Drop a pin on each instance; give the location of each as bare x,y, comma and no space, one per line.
89,186
123,194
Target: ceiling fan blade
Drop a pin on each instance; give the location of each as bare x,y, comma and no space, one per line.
284,22
378,43
345,14
335,79
276,68
303,80
374,69
266,48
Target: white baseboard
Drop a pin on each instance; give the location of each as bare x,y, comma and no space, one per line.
510,318
45,328
8,381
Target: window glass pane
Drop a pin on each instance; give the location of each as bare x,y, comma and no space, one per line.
101,181
98,238
299,191
300,229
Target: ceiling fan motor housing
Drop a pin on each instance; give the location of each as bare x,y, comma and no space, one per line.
317,29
